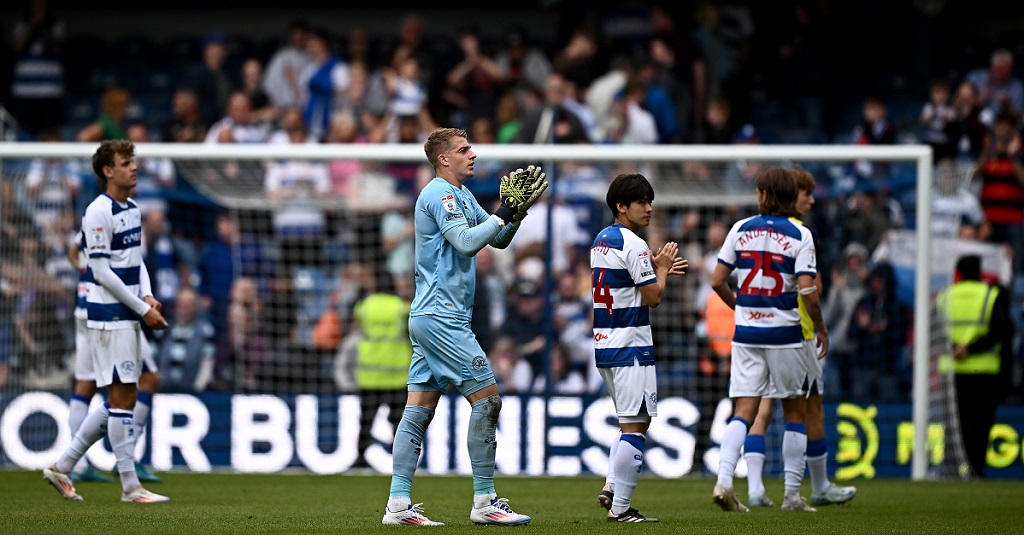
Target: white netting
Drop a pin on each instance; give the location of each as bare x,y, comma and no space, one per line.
276,245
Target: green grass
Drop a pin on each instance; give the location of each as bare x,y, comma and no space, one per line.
225,503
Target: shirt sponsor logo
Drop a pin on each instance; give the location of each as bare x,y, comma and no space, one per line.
600,337
757,316
646,273
134,237
449,204
451,217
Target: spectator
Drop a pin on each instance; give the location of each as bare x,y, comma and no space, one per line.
239,125
577,61
844,293
325,79
357,49
155,177
252,76
397,241
866,219
227,256
953,205
507,117
41,312
408,94
112,123
723,33
186,351
490,304
168,266
713,366
999,90
522,65
344,129
299,222
936,116
281,78
678,58
51,184
37,89
186,124
718,127
524,322
246,350
567,237
633,124
879,328
292,130
512,373
553,122
474,84
1001,174
966,133
212,84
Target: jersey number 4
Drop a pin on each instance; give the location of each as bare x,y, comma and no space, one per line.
763,265
603,292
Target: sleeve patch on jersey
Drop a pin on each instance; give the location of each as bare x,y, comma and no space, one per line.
645,260
449,204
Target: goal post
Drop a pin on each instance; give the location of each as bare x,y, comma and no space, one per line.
674,194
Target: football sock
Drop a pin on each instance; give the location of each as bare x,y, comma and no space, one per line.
122,440
629,460
91,430
140,416
610,480
406,452
794,446
482,444
817,462
753,452
78,410
735,433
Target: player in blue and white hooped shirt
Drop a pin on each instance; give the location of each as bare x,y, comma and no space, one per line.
627,281
450,229
118,298
775,263
85,379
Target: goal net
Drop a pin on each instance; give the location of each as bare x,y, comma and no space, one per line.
265,254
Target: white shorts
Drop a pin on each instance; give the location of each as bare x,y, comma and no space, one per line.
83,358
815,384
782,372
117,350
146,356
634,390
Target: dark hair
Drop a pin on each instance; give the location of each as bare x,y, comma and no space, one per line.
804,181
104,157
969,267
780,191
627,188
439,141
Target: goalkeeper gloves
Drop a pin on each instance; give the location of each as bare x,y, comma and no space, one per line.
519,190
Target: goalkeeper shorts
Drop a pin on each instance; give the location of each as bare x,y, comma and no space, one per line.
445,352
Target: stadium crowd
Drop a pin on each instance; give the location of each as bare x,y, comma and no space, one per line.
262,301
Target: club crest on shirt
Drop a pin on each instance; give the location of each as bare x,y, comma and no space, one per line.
448,202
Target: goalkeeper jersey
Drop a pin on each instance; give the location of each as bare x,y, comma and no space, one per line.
768,253
620,263
445,278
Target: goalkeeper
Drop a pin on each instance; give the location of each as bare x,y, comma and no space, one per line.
450,228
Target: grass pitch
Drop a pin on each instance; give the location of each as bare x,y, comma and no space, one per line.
228,503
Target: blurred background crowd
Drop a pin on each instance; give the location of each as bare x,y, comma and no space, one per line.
264,299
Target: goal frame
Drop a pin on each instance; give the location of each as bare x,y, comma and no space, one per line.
920,155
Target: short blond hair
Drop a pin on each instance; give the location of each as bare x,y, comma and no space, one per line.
439,141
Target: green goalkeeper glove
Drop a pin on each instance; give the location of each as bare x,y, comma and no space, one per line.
537,186
514,190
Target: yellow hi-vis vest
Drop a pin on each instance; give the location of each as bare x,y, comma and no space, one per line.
968,308
385,350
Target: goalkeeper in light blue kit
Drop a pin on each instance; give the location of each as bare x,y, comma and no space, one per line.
450,228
